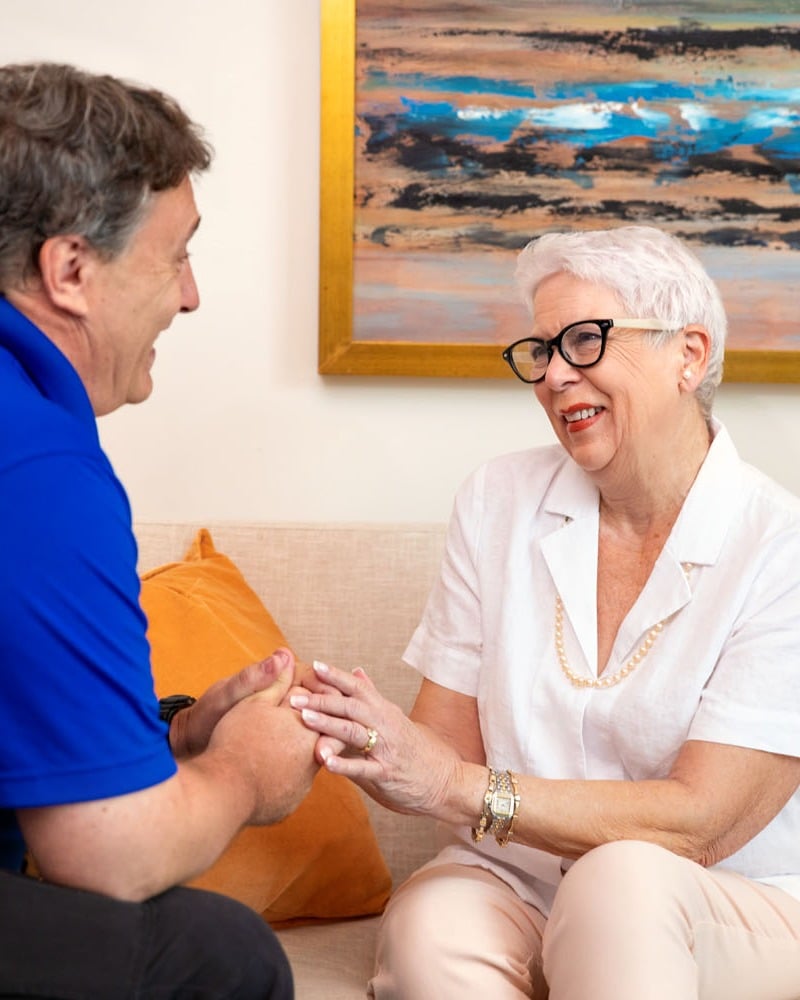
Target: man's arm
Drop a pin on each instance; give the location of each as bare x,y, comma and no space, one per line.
258,766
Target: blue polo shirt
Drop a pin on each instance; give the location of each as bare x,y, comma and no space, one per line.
78,711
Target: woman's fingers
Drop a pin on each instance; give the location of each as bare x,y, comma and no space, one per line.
348,682
367,738
342,695
342,708
356,736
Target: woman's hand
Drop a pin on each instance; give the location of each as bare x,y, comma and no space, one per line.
408,768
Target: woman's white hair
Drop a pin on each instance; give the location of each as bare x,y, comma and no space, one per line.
654,275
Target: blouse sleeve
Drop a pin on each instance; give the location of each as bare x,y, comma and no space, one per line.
446,646
752,698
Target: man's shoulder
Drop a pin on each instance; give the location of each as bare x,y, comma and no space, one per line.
31,425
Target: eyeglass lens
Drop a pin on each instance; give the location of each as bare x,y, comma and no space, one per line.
580,344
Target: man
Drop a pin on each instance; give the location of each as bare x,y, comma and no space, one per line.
96,212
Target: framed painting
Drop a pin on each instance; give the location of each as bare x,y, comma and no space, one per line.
453,133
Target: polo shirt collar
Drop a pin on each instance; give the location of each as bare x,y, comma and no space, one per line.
45,365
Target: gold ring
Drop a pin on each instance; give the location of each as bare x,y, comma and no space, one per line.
372,739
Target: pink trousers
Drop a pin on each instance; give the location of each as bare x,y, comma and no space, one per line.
631,921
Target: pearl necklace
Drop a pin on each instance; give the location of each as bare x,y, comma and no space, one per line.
612,680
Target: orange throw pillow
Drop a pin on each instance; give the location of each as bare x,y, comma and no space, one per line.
323,861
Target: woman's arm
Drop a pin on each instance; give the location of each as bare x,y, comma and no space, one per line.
453,717
716,798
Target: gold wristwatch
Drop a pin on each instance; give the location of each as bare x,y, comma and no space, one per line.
500,807
503,806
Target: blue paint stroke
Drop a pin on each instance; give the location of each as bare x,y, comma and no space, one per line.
704,128
376,79
675,119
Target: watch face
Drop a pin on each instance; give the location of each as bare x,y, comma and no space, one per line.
503,805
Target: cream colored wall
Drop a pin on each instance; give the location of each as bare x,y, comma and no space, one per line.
240,425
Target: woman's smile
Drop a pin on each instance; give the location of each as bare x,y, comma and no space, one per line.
581,416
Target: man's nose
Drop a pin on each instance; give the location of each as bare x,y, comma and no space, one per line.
190,296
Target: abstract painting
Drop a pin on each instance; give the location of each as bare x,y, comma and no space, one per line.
453,133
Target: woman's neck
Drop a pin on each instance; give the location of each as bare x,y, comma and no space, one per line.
645,497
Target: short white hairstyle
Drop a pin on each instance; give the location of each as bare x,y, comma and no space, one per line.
654,275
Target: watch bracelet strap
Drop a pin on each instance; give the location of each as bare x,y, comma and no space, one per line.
486,818
502,827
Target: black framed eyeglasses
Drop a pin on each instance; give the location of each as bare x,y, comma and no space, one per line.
580,344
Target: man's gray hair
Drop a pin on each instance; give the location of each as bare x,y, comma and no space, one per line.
82,154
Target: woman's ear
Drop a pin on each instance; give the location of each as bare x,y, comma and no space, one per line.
65,262
696,350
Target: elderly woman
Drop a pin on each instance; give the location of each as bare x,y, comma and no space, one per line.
608,725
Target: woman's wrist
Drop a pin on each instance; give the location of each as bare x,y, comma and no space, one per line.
465,802
500,809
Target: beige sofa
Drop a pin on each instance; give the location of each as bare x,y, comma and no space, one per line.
351,595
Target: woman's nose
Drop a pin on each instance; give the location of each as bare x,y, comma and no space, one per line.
559,372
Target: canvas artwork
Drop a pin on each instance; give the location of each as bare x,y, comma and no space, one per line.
477,126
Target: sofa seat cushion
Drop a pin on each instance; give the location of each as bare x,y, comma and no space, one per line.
333,961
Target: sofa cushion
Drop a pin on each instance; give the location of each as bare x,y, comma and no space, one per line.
323,861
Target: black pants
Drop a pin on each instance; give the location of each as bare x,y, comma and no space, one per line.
187,944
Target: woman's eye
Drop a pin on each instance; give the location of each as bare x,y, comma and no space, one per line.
538,352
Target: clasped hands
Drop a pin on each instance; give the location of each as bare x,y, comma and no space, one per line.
359,733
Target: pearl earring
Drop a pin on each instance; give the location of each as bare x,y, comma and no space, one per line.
687,373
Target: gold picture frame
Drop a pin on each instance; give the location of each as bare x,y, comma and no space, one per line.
340,350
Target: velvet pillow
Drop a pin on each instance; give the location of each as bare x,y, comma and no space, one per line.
323,861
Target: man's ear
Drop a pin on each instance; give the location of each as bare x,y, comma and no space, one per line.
65,263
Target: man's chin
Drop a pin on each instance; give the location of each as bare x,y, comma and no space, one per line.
141,391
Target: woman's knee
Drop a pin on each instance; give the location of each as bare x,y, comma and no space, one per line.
620,917
414,919
623,882
454,930
409,951
619,863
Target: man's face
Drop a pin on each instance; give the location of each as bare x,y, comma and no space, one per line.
135,296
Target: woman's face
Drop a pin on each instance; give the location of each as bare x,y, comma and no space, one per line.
612,416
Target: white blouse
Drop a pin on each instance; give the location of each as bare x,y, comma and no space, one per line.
725,668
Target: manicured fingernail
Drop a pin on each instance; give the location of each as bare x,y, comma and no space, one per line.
298,700
321,668
310,716
325,753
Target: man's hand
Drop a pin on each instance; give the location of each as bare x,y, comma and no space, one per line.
269,679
